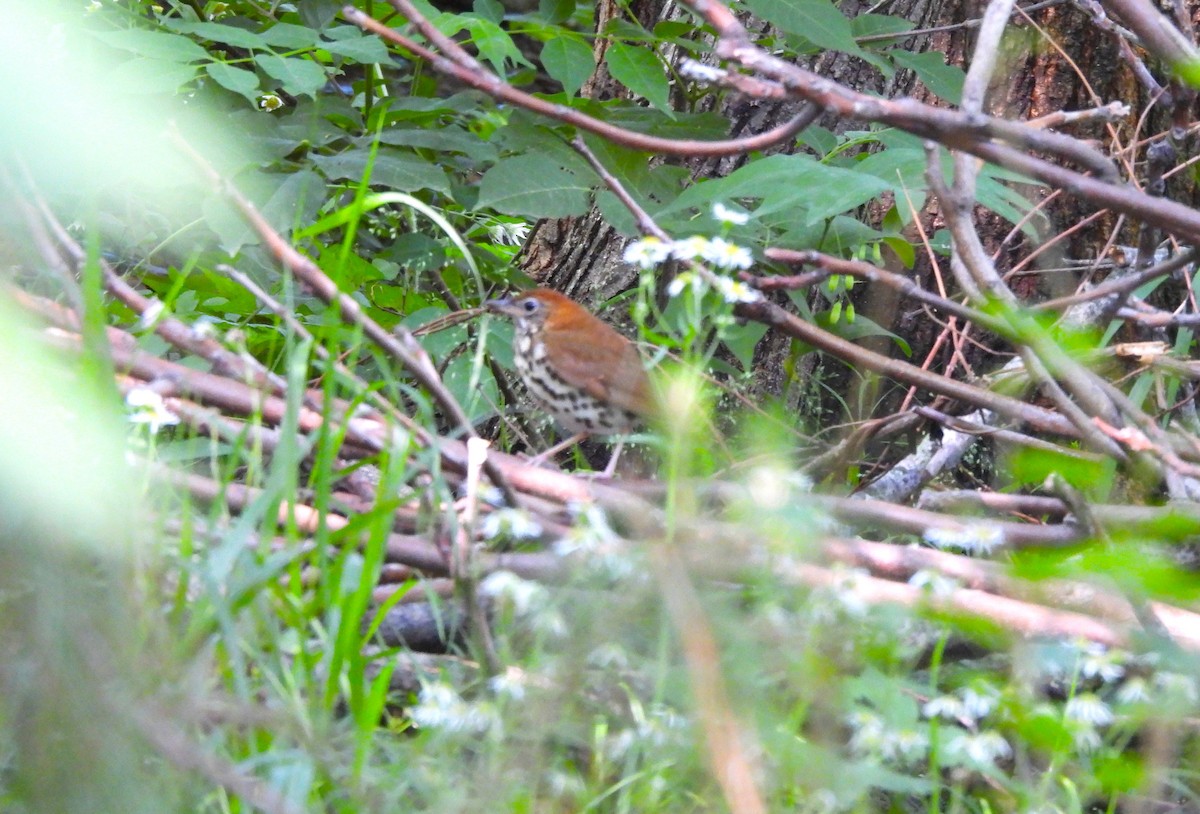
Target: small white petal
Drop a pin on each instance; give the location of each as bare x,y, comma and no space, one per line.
730,216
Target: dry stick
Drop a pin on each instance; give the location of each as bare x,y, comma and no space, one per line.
483,80
961,130
829,264
772,315
1157,33
1020,617
401,345
1038,350
278,309
463,567
730,758
169,328
729,753
407,549
1123,286
960,424
956,130
776,317
900,563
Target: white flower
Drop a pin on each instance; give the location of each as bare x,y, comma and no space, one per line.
1088,708
981,749
944,706
594,541
269,102
974,538
610,657
868,732
205,326
514,524
728,216
681,281
699,72
723,254
522,594
647,252
147,407
507,233
977,705
1086,739
906,746
1134,691
934,583
734,291
511,684
150,316
92,6
1099,662
441,707
690,248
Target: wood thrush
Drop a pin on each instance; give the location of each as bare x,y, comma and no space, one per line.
580,370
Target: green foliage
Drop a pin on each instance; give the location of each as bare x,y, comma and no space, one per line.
256,635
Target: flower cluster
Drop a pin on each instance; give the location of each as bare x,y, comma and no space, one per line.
441,707
147,407
730,290
651,251
973,538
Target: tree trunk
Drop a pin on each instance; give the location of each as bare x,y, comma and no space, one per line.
583,256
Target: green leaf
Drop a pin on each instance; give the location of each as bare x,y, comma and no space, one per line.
298,77
876,25
151,76
903,249
526,185
318,14
367,50
556,11
638,68
1031,466
569,60
237,80
155,45
859,328
446,140
742,340
901,167
490,10
931,68
494,44
391,169
817,21
788,183
224,34
287,35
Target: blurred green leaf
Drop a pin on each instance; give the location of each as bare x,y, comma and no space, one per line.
638,68
569,60
526,185
818,21
159,45
298,77
237,80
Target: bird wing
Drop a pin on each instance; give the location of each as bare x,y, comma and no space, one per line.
603,364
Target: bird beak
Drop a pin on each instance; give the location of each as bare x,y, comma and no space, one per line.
503,305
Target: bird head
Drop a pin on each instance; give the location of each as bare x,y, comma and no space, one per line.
532,308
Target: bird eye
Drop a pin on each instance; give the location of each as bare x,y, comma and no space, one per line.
530,305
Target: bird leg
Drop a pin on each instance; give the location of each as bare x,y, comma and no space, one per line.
542,457
612,461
